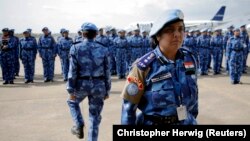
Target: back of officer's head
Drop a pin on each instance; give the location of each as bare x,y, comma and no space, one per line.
89,30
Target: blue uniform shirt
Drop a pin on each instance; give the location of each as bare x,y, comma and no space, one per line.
88,59
157,86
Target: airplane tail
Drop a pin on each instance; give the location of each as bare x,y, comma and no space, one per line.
220,14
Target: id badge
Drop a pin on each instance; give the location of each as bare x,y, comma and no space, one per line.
182,112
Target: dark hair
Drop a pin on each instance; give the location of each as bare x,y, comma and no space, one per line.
90,34
154,42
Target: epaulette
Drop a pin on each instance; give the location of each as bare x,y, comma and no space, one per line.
76,42
144,62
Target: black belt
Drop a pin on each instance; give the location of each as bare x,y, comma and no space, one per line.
162,120
92,77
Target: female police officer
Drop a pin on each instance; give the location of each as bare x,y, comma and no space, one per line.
89,76
163,83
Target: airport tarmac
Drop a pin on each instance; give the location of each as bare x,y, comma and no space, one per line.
39,112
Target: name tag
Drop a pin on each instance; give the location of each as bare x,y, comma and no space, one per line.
162,77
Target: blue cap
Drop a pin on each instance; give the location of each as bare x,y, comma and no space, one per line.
167,17
236,29
217,30
29,29
121,30
5,30
89,26
62,30
244,25
26,31
45,28
65,31
231,27
12,30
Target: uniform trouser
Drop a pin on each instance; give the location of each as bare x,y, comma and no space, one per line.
65,67
227,55
245,56
29,66
7,65
204,52
221,56
236,65
216,59
121,64
48,68
135,54
210,52
17,64
95,93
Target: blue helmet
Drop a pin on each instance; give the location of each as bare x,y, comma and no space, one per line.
167,17
89,26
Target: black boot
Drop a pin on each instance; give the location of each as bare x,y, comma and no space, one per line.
78,131
5,82
11,82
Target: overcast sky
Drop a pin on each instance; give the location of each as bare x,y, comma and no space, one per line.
70,14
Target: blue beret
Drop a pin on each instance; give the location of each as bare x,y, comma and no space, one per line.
166,18
89,26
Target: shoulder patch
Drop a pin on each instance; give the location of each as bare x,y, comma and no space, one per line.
146,60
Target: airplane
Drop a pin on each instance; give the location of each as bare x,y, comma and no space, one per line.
215,21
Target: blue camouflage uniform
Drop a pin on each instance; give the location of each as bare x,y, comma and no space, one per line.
203,43
236,51
47,50
145,45
136,43
245,37
228,35
89,76
112,50
217,49
210,49
79,36
158,86
16,52
7,57
28,51
103,39
64,45
121,45
190,43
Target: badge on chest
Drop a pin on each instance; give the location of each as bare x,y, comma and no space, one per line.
161,77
